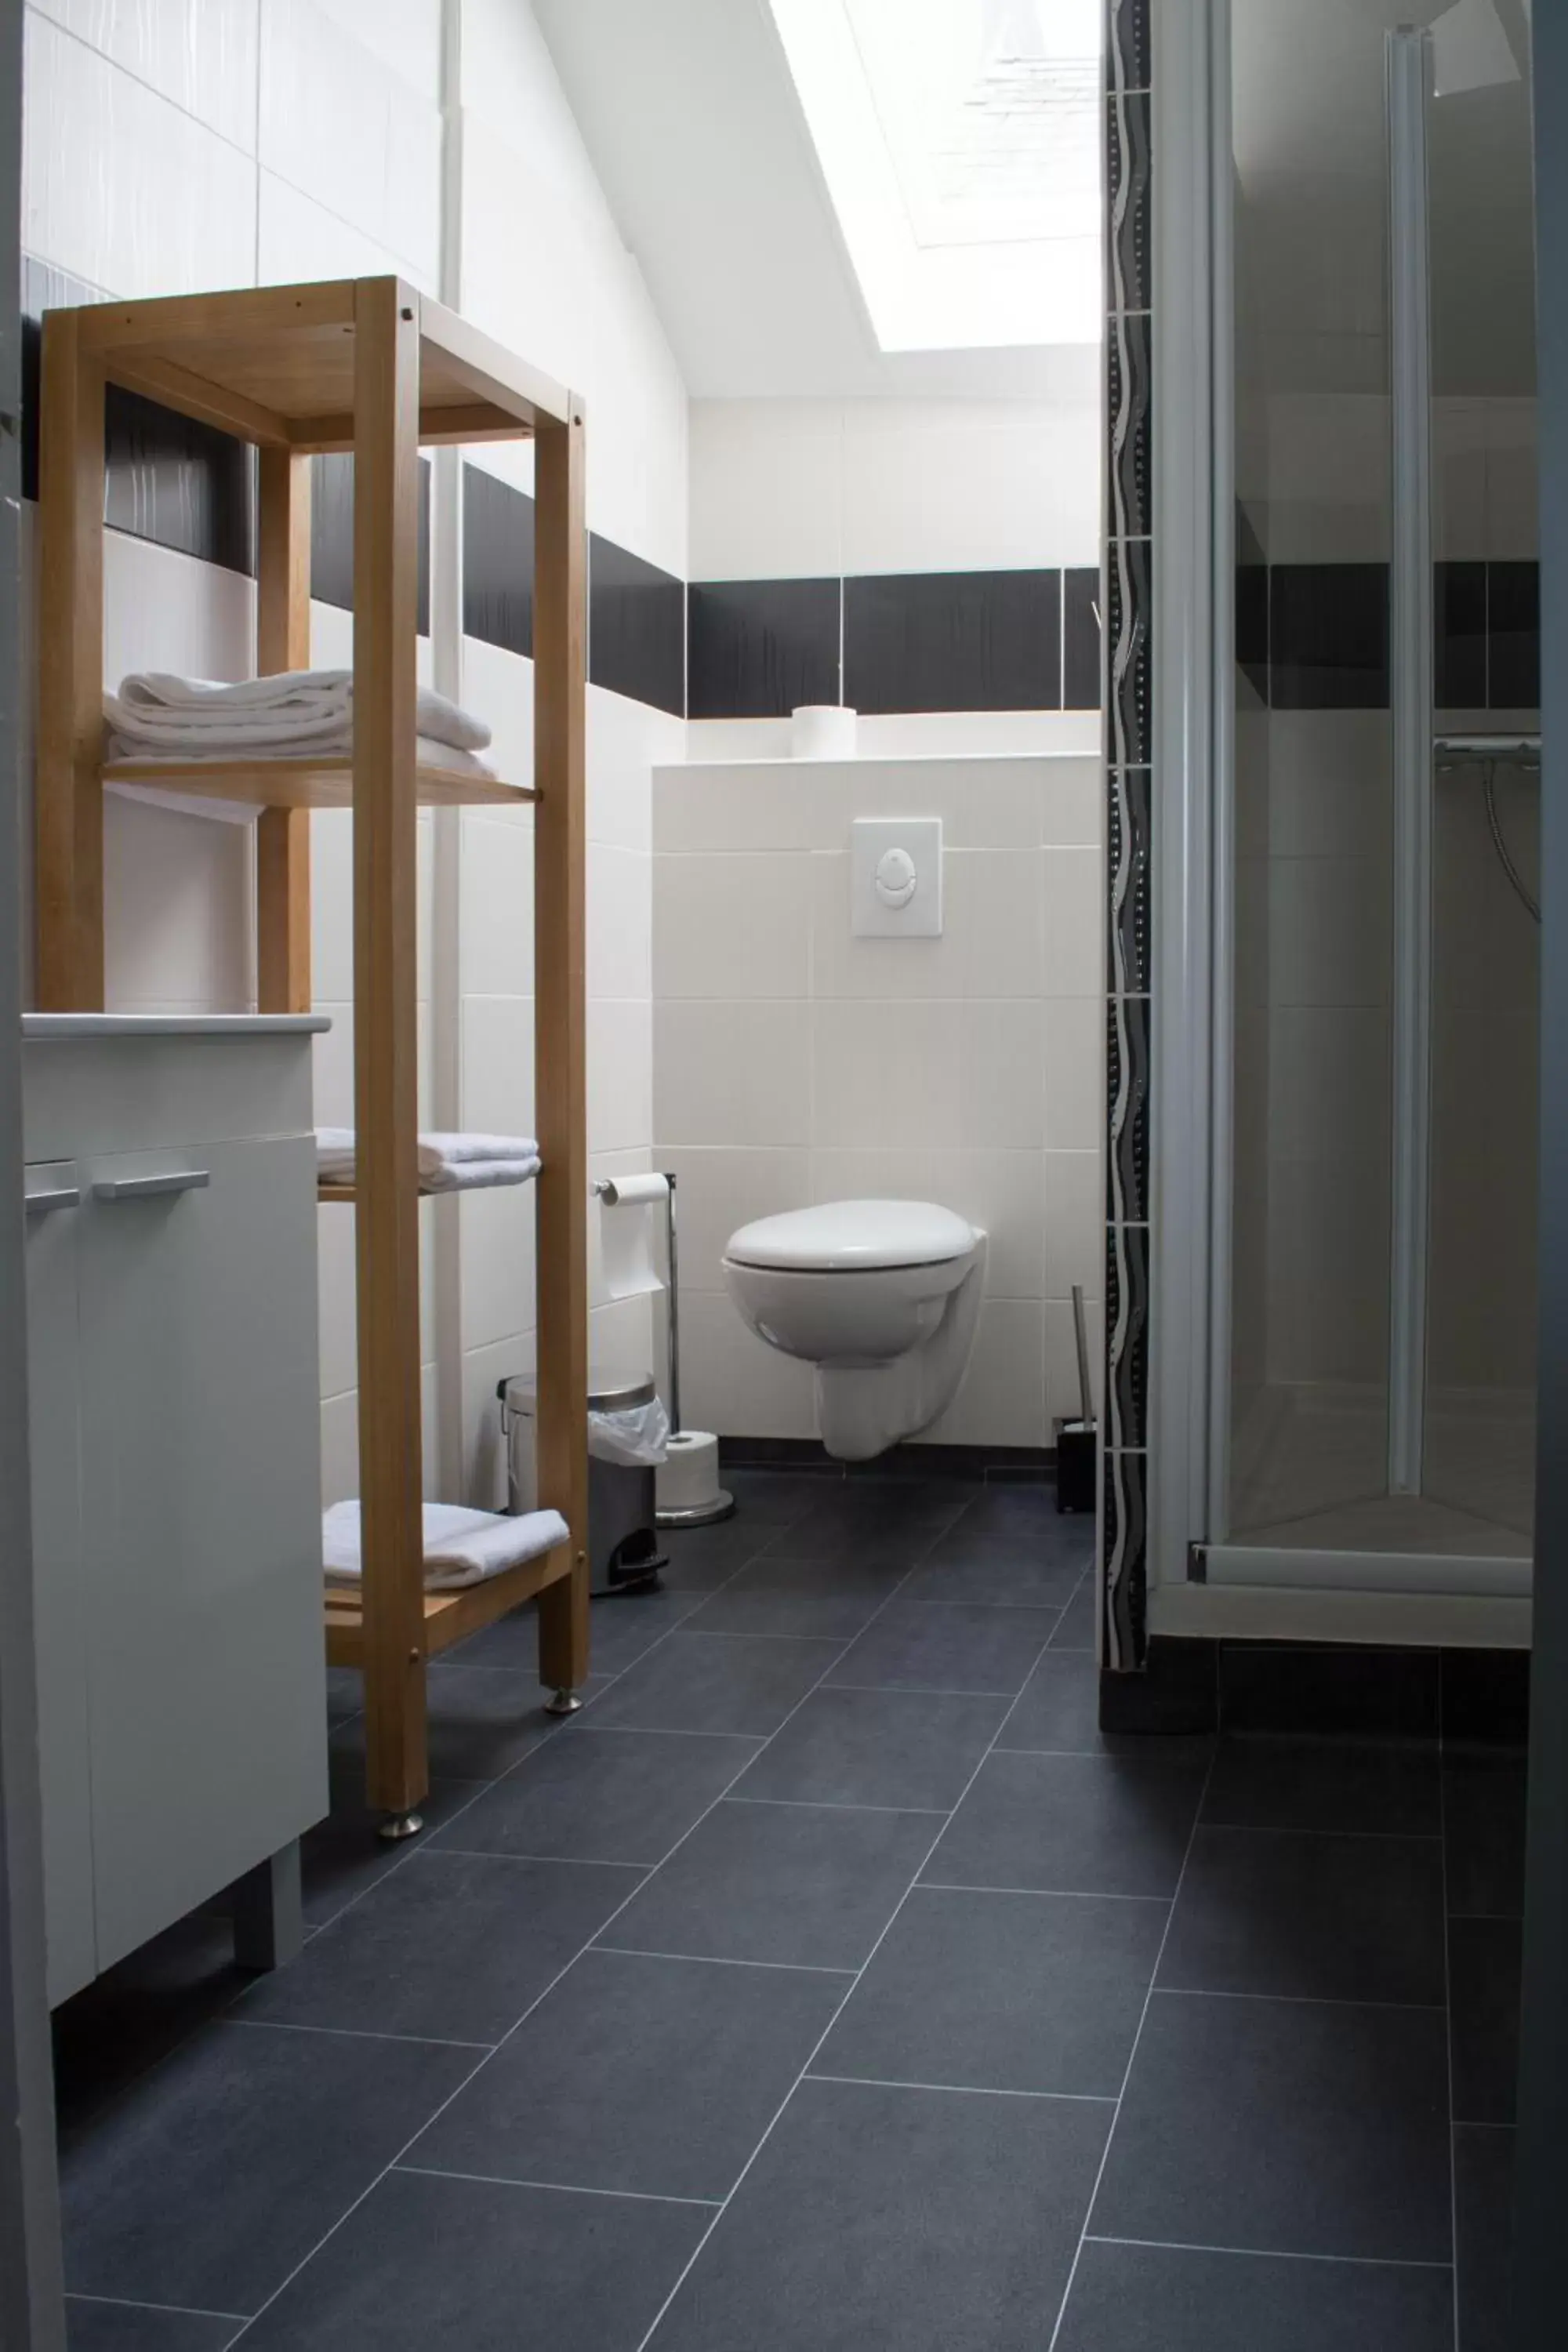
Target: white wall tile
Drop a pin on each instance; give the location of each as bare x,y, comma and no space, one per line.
733,1383
496,944
484,1454
718,1191
928,1073
625,740
498,1262
1514,493
983,804
620,921
733,1074
992,941
1074,1067
405,34
342,127
200,54
498,687
340,1449
497,1065
732,926
937,485
1001,1401
177,901
1062,1397
766,805
620,1075
1072,900
1329,930
915,735
767,489
119,187
300,242
1074,1223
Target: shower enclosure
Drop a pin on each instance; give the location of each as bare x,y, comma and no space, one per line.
1371,1339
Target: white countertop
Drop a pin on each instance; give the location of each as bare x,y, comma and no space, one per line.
39,1025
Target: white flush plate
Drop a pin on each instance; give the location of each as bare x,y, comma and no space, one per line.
895,890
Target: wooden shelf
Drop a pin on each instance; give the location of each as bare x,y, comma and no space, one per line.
309,783
449,1617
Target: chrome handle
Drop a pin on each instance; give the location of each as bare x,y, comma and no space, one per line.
151,1188
58,1196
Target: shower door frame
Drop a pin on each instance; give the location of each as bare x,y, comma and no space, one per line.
1199,1582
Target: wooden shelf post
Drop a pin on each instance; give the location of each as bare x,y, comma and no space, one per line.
386,1078
68,846
283,642
559,628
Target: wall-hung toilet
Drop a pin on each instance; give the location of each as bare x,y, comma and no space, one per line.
883,1297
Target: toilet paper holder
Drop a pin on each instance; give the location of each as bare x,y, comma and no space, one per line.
695,1451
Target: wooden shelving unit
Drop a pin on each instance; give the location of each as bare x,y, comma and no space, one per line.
370,366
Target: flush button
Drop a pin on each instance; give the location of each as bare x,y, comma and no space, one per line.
897,880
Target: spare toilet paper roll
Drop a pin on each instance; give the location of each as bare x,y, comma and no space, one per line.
822,730
690,1473
627,1235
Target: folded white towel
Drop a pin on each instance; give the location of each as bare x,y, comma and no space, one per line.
461,1546
338,745
310,710
447,1163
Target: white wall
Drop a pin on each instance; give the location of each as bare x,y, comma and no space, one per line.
178,145
794,1064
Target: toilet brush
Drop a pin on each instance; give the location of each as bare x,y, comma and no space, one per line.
1077,1441
687,1489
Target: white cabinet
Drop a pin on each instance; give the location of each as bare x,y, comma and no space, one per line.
174,1422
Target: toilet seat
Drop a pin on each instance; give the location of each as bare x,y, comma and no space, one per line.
842,1236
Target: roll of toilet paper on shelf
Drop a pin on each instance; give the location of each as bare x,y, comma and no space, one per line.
627,1241
822,730
689,1474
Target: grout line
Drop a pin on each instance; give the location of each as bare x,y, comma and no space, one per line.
542,1995
1132,2060
713,1961
1056,1894
557,2188
1290,1829
1303,2000
923,1690
754,1740
572,1860
831,1805
817,2050
1267,2253
350,2033
129,2302
962,2090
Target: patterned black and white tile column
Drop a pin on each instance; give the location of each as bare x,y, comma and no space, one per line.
1129,595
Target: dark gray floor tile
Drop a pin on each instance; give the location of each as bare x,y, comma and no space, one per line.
482,2268
773,1498
810,1597
809,1886
1071,1825
214,2175
1309,1915
481,1722
929,2221
1330,1688
1483,2197
701,1559
623,1626
1057,1712
108,2034
452,1945
1008,1513
1483,1820
1182,2299
1002,1992
716,1682
904,1748
653,2076
344,1856
922,1646
602,1796
132,2327
1284,2127
1076,1628
1391,1788
887,1524
345,1692
993,1572
1484,1971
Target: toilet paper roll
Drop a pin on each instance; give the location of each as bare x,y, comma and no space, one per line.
822,730
689,1473
627,1243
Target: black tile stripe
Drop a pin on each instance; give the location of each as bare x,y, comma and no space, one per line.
1329,636
636,627
332,534
952,641
497,563
1081,650
756,648
1128,860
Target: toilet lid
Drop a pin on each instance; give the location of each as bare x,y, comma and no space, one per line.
846,1234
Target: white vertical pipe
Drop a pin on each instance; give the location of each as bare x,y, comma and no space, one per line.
447,836
1408,81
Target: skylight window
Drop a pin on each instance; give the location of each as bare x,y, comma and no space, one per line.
960,141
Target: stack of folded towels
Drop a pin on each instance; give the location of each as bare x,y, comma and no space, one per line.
460,1547
447,1164
296,714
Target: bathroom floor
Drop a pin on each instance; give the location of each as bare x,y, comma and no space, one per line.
831,1982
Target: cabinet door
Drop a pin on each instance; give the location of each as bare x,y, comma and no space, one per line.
203,1534
59,1611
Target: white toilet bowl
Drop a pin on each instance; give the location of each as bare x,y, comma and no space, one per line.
883,1297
